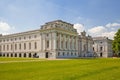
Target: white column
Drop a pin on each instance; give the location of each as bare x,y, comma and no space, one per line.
72,43
69,42
54,41
76,43
44,45
50,40
40,42
60,40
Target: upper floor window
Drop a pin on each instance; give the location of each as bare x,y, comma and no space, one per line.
47,35
20,46
15,46
19,38
29,37
15,39
7,47
35,45
29,45
24,46
35,36
24,37
47,44
101,48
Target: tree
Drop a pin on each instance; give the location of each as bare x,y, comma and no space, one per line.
116,43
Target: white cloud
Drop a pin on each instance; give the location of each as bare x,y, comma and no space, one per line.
112,25
110,35
79,27
107,30
5,28
97,30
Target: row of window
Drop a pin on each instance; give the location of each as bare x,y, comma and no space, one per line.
62,44
18,46
18,55
20,38
67,54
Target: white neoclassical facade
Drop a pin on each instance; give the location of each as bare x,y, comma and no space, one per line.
102,47
56,39
85,45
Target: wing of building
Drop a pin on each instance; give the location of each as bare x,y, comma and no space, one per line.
55,39
102,47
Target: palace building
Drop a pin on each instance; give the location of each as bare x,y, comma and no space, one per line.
102,47
55,39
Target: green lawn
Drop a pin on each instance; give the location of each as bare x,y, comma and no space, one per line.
75,69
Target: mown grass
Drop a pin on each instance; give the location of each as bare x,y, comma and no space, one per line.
76,69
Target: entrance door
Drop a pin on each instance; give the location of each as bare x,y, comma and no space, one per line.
46,55
100,54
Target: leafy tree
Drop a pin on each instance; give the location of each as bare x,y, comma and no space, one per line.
116,43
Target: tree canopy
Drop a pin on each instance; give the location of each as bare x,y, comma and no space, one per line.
116,42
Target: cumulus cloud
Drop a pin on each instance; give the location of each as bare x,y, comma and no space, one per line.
97,30
110,35
112,25
79,27
5,28
107,30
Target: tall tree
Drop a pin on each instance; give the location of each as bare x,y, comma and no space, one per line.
116,43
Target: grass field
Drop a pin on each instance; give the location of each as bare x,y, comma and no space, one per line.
75,69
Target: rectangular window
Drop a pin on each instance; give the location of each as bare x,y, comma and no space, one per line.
35,45
11,47
47,44
15,46
29,45
24,46
20,46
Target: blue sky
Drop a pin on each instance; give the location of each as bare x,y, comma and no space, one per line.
97,17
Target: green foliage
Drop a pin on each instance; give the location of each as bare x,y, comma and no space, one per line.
76,69
116,42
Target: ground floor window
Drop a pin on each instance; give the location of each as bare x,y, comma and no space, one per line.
30,55
15,54
11,55
0,54
7,55
24,54
20,55
4,55
58,53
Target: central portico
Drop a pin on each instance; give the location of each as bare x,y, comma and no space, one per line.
58,40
